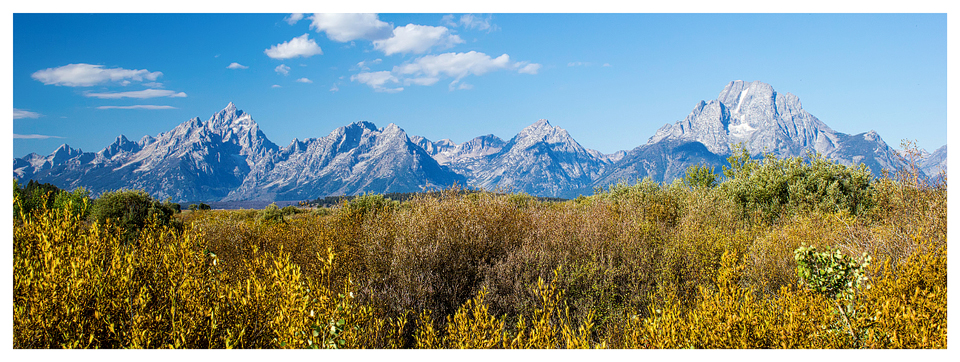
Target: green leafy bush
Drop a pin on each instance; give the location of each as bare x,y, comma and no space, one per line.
132,210
271,214
773,186
371,203
700,176
830,272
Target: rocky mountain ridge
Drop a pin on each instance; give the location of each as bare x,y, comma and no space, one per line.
228,158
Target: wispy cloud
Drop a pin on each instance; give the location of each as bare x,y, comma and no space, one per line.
428,70
293,18
236,65
301,46
139,106
142,94
417,39
365,65
33,136
275,86
334,88
470,21
377,80
22,113
348,27
85,75
282,69
304,80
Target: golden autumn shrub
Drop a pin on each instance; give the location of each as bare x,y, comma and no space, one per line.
635,266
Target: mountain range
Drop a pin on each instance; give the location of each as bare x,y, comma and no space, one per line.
228,158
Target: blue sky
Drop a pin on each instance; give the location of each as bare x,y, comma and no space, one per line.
611,80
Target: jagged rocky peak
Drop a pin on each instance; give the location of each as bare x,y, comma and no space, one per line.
63,153
231,119
542,131
122,144
754,114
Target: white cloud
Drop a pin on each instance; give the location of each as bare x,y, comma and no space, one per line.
364,65
429,69
525,68
417,39
33,136
304,80
578,64
85,75
275,86
301,46
282,69
293,18
456,65
471,21
449,20
377,80
334,88
139,106
146,93
153,85
607,65
348,27
236,65
125,83
22,113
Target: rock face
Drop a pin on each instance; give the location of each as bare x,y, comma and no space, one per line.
350,160
228,158
541,160
755,115
934,163
194,161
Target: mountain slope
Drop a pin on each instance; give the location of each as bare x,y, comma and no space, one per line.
541,160
755,115
351,159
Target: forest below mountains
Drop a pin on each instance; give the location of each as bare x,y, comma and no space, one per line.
769,253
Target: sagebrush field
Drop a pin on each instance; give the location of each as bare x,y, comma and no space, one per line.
791,253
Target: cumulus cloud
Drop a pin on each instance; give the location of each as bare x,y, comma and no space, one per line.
282,69
377,80
22,113
348,27
301,46
417,39
236,65
293,18
304,80
85,75
33,136
139,106
142,94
